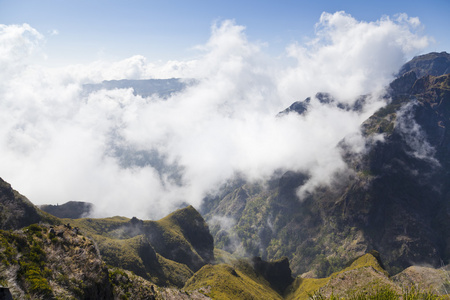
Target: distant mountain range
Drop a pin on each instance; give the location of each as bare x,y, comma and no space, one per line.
145,88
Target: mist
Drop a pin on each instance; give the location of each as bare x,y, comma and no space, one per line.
59,144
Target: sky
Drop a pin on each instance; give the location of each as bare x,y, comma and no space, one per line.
250,60
82,31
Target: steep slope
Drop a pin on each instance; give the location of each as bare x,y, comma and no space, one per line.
48,260
362,275
42,259
407,215
362,278
167,251
396,199
434,64
365,278
52,262
16,211
243,279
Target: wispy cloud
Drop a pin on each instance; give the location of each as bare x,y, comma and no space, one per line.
54,32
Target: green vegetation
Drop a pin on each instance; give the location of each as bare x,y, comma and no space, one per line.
50,262
303,288
107,227
165,251
59,262
222,256
120,278
364,278
25,249
237,281
383,293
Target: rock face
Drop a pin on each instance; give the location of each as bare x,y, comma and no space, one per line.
49,260
397,201
407,215
429,278
44,261
277,273
5,294
434,64
16,211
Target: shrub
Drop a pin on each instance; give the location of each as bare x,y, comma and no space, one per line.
38,284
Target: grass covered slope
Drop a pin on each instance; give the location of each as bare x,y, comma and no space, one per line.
166,252
365,278
42,259
182,236
231,281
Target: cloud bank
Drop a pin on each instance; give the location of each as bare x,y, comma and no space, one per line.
59,144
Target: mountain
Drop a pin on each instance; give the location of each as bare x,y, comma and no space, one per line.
101,259
434,64
396,199
167,251
364,277
45,257
369,235
163,88
71,209
16,211
242,279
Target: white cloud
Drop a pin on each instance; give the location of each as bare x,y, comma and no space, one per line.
349,57
18,41
17,44
58,144
414,136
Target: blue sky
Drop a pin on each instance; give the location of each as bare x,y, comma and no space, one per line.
165,30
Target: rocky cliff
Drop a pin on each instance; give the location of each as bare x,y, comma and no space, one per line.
396,199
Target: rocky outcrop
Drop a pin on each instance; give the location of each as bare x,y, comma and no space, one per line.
45,261
16,211
5,294
434,64
277,273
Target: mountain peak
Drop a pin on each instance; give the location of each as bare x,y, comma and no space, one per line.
433,63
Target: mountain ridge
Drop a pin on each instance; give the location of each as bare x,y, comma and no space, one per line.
395,202
390,213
